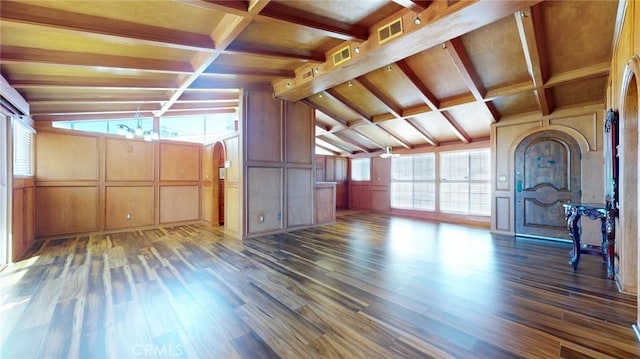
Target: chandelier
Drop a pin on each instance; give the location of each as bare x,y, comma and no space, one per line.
389,154
131,133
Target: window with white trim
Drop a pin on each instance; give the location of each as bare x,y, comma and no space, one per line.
465,182
413,182
23,150
360,169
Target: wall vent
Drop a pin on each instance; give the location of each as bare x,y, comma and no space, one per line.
389,31
341,55
307,74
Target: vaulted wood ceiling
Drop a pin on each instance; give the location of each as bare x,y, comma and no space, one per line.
466,65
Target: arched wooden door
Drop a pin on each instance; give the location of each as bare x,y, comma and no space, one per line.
547,166
218,165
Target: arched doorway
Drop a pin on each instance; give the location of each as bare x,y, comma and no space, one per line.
219,169
627,231
547,175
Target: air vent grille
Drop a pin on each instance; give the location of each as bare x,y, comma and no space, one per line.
341,55
390,31
307,74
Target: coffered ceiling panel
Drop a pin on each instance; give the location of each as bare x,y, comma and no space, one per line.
498,60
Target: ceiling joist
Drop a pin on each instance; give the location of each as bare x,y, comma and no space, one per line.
434,29
462,62
529,26
280,14
18,54
102,27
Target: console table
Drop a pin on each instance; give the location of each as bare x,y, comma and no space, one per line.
573,212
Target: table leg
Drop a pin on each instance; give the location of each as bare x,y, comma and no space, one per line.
574,231
611,240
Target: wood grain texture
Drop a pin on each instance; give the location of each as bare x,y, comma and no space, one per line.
368,286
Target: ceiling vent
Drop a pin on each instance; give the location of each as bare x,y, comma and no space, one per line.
307,74
341,56
390,31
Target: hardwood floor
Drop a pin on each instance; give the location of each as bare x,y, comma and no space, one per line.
370,286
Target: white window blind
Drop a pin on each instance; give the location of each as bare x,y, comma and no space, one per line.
465,182
23,150
360,169
413,182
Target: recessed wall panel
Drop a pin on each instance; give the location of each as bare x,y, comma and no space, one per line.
179,162
62,210
128,207
299,197
178,203
66,158
127,160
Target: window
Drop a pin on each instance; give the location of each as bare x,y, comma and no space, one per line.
23,151
465,182
201,129
413,182
361,169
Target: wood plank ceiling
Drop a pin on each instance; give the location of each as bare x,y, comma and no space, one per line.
443,79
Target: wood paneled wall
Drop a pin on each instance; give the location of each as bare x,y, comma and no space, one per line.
334,169
278,148
623,95
88,183
23,216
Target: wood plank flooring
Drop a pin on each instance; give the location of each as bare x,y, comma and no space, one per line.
370,286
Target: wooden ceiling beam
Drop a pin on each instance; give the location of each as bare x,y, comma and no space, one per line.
457,129
329,141
387,102
205,105
280,14
336,96
424,134
101,27
86,116
329,113
258,50
529,23
52,81
414,5
18,54
223,34
425,94
199,112
341,135
362,136
327,26
458,54
248,71
463,64
585,73
435,29
330,150
394,137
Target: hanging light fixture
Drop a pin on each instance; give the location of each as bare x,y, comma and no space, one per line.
131,133
389,154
